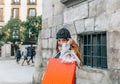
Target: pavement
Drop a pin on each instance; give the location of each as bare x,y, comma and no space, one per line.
13,73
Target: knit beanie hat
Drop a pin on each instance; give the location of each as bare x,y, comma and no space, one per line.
63,33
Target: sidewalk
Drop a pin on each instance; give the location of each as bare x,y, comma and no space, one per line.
7,58
13,73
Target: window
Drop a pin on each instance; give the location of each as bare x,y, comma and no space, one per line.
1,14
94,49
16,2
32,2
69,3
15,13
32,12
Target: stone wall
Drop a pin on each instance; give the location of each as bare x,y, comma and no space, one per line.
90,15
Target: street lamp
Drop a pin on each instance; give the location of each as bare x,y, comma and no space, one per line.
16,37
15,34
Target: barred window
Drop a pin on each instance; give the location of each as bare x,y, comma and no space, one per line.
94,49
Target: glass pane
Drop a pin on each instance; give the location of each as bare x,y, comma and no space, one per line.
85,60
94,61
99,39
103,38
15,13
98,62
94,39
98,50
32,1
104,62
85,50
89,61
103,51
32,12
85,39
89,39
16,0
89,50
94,51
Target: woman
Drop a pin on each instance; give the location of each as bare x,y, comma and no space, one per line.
66,43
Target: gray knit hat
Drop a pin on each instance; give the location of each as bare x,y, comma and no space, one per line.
63,33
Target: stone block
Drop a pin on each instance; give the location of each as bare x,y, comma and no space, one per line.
46,33
48,9
46,54
92,8
89,24
54,31
54,43
113,50
44,43
58,7
101,22
100,6
93,76
50,22
58,19
113,39
80,26
115,21
112,6
50,43
76,13
45,23
96,7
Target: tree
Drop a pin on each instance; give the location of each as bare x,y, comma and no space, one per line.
11,29
32,27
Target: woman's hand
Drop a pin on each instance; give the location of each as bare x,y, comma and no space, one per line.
70,40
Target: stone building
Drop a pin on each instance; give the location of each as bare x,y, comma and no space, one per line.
95,26
18,9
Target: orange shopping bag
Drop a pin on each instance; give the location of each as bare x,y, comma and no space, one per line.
59,73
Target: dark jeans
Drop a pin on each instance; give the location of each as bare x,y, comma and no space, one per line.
31,58
18,59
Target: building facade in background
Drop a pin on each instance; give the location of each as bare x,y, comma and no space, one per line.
95,26
18,9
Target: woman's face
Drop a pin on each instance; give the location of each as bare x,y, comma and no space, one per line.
60,42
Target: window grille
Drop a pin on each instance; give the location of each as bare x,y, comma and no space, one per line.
94,49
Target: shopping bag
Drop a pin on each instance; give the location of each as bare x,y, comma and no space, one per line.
59,73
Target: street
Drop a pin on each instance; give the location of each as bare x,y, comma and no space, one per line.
13,73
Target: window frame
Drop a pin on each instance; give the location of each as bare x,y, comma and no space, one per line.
16,3
93,47
31,9
17,16
32,3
